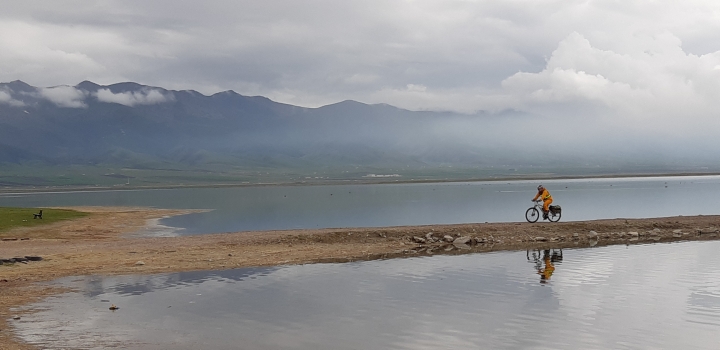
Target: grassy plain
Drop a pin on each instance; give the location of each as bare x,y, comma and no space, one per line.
23,217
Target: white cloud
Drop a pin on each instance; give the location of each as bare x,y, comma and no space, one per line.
64,96
45,54
132,98
652,80
362,79
6,98
416,88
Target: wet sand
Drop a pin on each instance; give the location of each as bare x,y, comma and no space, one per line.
103,243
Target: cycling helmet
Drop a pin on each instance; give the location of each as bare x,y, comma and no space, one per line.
540,187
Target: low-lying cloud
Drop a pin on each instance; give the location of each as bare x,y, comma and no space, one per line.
6,98
132,98
72,97
64,96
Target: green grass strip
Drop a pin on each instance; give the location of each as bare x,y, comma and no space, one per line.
23,217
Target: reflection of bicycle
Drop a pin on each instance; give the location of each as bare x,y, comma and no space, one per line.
533,214
537,255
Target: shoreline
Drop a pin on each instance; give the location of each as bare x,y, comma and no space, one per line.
331,182
105,243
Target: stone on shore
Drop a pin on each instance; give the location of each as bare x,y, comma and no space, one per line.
462,240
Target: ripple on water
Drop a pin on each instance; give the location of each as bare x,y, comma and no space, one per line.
634,297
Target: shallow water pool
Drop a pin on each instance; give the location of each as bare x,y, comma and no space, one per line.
654,296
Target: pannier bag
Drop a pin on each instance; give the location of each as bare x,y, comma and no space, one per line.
555,208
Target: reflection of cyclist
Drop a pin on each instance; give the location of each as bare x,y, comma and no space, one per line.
546,197
546,272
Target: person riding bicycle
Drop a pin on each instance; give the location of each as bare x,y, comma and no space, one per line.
546,197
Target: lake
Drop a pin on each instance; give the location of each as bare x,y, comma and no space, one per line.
654,296
293,207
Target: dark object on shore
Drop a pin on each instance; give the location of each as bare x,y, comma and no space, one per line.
38,215
20,259
113,307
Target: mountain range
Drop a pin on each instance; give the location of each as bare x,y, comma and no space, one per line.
134,126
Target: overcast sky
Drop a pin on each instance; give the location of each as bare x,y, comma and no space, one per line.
640,60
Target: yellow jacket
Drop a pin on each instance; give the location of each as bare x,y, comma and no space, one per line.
544,194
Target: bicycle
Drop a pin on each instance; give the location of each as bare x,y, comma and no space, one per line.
533,214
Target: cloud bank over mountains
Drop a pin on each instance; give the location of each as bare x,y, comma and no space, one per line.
132,98
74,97
64,96
6,98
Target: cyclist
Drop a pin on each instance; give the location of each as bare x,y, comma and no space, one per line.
547,199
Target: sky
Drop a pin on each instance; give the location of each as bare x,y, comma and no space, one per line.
635,62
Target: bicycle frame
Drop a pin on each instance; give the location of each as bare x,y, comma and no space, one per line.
533,214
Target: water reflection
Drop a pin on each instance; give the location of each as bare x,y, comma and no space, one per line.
615,297
545,262
93,286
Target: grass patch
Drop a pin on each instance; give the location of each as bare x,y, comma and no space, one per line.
23,217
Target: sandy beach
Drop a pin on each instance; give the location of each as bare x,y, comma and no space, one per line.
106,243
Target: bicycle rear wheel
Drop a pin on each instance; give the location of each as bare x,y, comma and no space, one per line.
532,215
554,217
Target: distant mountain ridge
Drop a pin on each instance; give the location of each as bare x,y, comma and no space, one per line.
89,122
130,125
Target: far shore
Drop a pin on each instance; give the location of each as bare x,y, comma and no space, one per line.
523,177
103,243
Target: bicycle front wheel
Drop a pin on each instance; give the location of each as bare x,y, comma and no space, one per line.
532,215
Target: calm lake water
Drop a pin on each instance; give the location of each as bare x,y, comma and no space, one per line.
290,207
655,296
